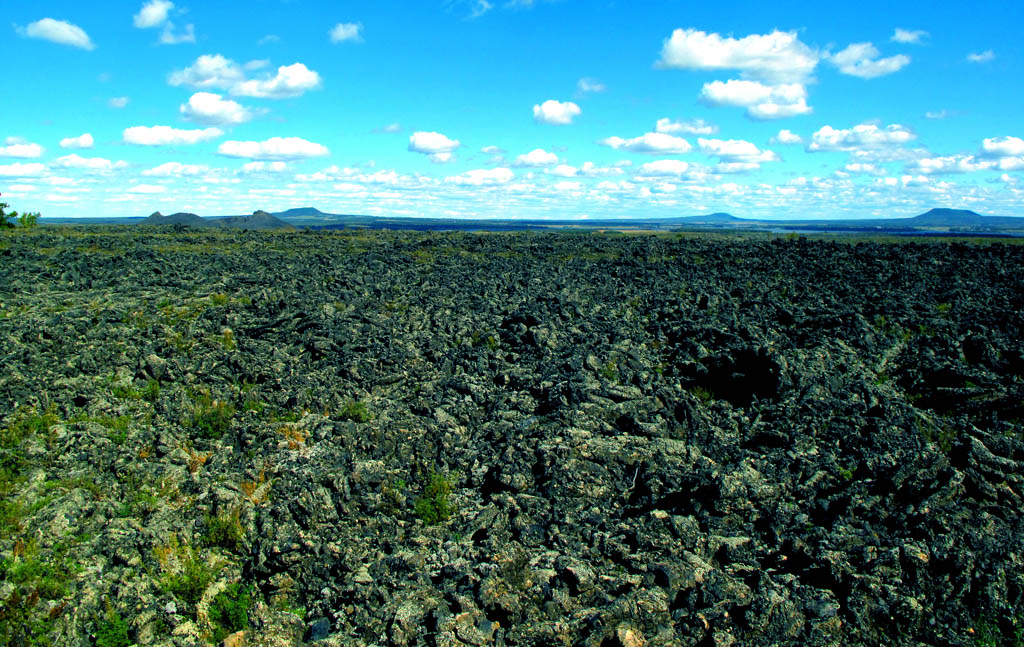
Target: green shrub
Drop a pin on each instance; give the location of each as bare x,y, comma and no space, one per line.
191,578
225,530
212,418
229,611
433,506
356,411
112,630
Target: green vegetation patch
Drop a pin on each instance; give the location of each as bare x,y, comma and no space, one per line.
434,507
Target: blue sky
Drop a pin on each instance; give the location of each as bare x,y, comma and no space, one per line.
534,109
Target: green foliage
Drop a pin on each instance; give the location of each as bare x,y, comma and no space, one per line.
229,611
25,220
112,630
28,220
610,371
702,394
225,530
149,393
433,507
211,418
186,575
355,411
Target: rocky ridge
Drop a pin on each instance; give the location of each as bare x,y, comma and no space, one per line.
454,439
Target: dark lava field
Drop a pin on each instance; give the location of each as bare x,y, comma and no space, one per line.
435,439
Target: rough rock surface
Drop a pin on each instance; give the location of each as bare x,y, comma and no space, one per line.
454,439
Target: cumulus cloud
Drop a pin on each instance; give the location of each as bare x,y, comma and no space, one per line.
213,71
87,163
950,164
564,170
761,101
264,167
169,37
212,109
18,147
908,35
482,177
981,57
1003,146
590,169
787,137
82,141
390,128
537,157
176,169
778,57
665,167
860,137
587,85
147,188
439,147
863,168
936,114
167,136
20,169
861,60
691,127
556,113
152,14
346,31
117,102
57,31
737,151
275,148
650,143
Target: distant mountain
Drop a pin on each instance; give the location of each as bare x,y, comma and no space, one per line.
717,218
962,218
302,212
260,220
180,218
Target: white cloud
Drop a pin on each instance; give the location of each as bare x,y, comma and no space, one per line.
82,141
1003,146
492,150
761,101
210,108
566,186
860,137
981,57
650,143
57,31
152,14
778,57
537,157
344,31
736,151
908,36
19,169
390,128
18,147
169,37
556,113
439,147
950,164
176,169
691,127
117,102
264,167
665,167
87,163
275,148
290,81
587,84
787,137
861,60
147,188
482,177
167,136
861,167
564,170
589,169
209,71
939,114
213,71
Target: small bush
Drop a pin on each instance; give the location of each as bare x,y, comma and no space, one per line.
229,611
112,630
225,530
189,577
355,411
212,418
433,506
